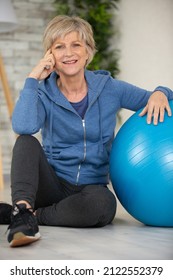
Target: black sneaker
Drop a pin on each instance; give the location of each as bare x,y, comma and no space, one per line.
23,229
5,213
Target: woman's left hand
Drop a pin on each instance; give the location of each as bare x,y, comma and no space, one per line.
156,107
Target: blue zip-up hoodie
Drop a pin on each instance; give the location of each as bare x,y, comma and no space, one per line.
78,149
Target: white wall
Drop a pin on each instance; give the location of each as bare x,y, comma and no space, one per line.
146,43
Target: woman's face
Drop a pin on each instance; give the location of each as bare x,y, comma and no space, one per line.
70,54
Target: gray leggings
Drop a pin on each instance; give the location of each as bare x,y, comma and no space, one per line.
58,203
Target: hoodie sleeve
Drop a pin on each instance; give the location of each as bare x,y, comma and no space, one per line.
29,114
135,98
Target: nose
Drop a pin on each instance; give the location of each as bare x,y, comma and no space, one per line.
68,51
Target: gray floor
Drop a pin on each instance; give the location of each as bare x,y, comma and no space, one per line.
124,239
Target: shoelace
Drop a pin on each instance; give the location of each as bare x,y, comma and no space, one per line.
19,210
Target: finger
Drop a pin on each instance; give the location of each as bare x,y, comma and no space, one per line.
156,115
144,111
48,52
162,114
49,62
150,115
168,109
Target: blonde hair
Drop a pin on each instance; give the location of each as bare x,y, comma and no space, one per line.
61,25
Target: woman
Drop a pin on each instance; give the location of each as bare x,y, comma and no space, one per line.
64,181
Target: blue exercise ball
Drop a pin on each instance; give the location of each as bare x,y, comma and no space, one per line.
141,169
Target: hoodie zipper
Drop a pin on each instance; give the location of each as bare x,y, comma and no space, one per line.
84,155
84,130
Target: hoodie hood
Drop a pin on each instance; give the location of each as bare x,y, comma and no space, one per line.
96,81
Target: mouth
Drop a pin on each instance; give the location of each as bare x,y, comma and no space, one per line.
70,62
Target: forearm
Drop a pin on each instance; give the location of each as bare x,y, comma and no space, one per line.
26,116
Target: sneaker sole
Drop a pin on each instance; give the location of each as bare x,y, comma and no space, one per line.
20,239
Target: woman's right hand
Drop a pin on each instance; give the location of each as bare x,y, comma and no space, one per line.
45,66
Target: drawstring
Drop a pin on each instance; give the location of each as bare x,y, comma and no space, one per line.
101,131
50,131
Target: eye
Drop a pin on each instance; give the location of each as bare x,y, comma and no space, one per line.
59,47
76,45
